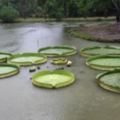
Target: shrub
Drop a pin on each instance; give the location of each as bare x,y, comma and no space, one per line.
8,14
54,10
58,15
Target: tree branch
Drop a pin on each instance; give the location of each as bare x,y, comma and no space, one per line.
116,5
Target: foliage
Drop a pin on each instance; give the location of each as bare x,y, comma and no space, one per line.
8,14
64,8
103,7
26,8
53,9
39,12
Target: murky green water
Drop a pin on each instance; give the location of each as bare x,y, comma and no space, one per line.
20,100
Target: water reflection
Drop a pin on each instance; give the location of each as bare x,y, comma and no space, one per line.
29,37
42,36
8,38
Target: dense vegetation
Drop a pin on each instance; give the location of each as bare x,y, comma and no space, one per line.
58,8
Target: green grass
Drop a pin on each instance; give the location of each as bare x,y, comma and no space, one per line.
27,20
81,19
89,19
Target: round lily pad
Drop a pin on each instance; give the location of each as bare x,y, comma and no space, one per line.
4,56
104,62
58,51
59,61
27,59
110,80
53,79
7,70
97,50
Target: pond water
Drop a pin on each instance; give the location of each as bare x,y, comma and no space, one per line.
83,100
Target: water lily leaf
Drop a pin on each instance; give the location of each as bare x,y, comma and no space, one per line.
27,59
58,51
97,50
53,79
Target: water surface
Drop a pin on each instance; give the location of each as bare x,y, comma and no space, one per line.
83,100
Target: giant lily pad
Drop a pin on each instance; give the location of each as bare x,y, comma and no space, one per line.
96,50
104,62
53,79
110,80
7,70
58,51
59,61
26,59
4,56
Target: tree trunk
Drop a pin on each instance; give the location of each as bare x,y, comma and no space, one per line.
65,8
116,4
118,18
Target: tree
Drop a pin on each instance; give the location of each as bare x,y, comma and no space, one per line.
73,8
103,6
54,9
26,7
116,4
8,13
64,8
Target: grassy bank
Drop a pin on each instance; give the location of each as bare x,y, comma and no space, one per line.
25,20
88,19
